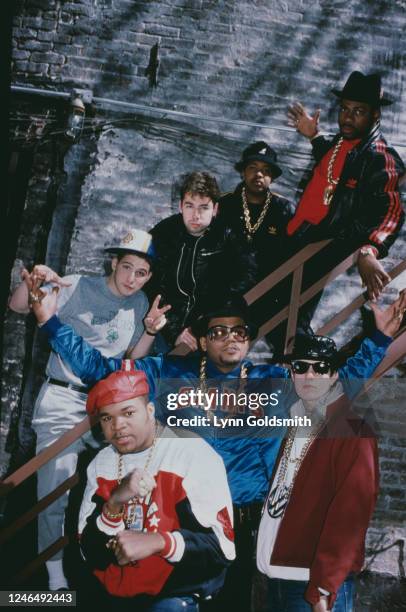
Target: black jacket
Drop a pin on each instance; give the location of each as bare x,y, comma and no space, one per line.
366,206
188,270
270,242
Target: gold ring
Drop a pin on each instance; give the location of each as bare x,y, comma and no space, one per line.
34,298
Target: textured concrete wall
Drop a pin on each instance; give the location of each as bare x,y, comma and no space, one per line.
235,59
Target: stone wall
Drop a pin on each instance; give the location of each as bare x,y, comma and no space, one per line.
230,59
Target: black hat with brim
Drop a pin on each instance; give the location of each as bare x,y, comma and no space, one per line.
230,306
307,346
364,88
259,151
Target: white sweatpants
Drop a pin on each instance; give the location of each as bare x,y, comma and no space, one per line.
57,410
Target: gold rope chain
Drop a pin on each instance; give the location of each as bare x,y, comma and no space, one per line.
130,516
251,229
203,378
332,182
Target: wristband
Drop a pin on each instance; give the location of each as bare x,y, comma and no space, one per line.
150,333
170,544
112,515
368,250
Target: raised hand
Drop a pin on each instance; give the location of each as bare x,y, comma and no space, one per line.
137,483
186,337
43,305
373,275
44,274
299,118
389,320
155,318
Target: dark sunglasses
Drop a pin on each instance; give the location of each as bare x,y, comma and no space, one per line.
221,332
319,367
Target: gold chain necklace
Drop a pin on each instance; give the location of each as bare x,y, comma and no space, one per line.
203,378
280,494
251,229
130,508
332,182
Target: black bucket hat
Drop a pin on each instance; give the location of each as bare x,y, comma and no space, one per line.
259,151
363,88
230,306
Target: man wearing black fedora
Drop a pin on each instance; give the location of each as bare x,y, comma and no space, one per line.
259,217
353,193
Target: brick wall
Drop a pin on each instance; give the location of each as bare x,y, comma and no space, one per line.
236,59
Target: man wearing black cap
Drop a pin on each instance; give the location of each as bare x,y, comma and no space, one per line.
259,217
353,193
256,214
322,492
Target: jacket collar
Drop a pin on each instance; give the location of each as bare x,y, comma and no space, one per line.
214,372
373,135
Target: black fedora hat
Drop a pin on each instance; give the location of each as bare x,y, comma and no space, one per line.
231,305
259,151
363,88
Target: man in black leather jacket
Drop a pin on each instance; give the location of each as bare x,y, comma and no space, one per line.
256,214
259,217
196,257
354,200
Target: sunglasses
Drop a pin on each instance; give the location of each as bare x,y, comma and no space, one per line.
222,332
319,367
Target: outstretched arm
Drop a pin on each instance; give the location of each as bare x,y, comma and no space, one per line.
373,350
19,301
85,361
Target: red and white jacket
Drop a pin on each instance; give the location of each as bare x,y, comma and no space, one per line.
191,505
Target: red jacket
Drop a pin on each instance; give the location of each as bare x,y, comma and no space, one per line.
332,500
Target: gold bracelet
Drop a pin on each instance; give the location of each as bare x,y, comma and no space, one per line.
112,515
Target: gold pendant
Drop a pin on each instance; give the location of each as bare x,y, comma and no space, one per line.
328,195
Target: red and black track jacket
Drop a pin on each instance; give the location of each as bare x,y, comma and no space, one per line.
366,206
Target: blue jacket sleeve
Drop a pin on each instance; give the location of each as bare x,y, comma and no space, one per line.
363,364
85,361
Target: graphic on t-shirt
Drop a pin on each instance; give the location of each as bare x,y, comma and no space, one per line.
112,335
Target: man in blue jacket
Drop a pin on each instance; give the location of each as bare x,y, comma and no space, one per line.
224,333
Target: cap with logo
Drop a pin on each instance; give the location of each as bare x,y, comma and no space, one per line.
135,241
259,151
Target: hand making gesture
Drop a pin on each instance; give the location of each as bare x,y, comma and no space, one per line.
155,318
299,118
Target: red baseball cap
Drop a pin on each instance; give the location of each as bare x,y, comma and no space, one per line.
117,387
